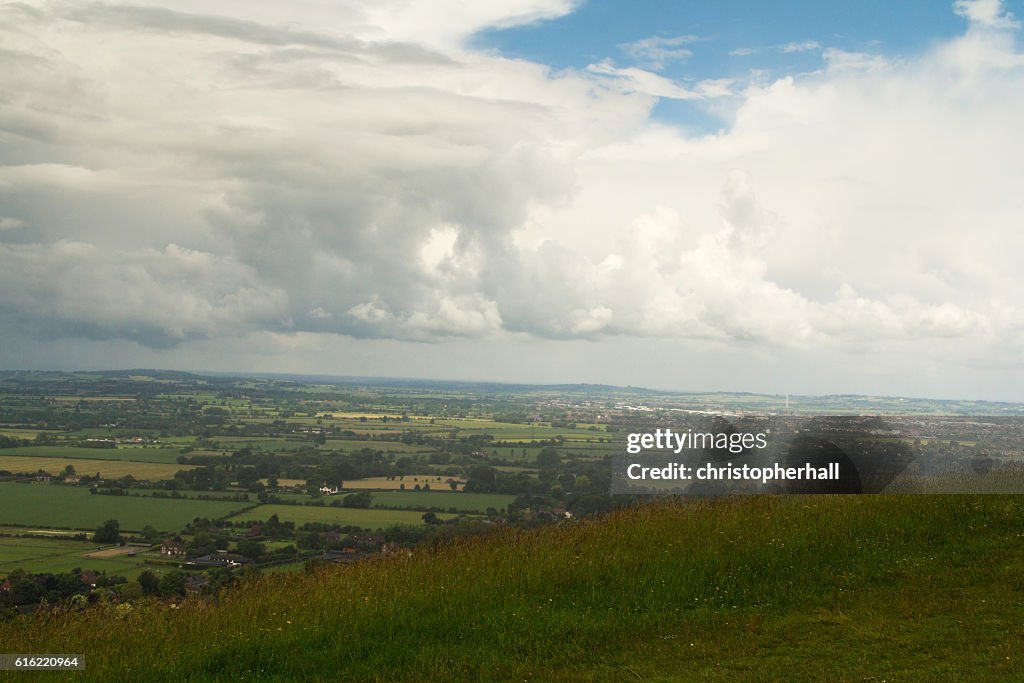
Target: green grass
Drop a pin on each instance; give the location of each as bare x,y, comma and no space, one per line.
127,453
349,446
469,502
365,518
528,454
914,588
267,444
39,531
75,508
56,556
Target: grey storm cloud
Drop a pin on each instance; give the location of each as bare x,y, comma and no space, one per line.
223,169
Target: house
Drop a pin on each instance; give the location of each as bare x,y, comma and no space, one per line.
73,479
88,577
43,478
219,561
253,531
367,541
172,549
6,585
344,555
328,490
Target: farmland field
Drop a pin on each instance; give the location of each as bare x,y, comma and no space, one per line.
478,502
75,508
132,453
396,483
386,446
267,444
367,519
37,531
528,454
286,482
109,469
23,433
51,555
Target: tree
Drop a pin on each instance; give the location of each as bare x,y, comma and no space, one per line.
548,458
150,584
431,518
251,549
361,499
149,533
24,590
309,540
202,544
172,583
108,532
482,479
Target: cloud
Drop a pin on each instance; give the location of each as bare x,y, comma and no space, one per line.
841,60
634,80
658,51
786,48
986,13
158,298
806,46
263,171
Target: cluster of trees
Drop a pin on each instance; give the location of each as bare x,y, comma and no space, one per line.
12,442
56,589
246,467
108,532
580,487
175,583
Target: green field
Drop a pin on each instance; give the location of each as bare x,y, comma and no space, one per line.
831,588
267,444
38,531
127,453
56,556
367,519
471,502
51,505
528,454
377,445
24,433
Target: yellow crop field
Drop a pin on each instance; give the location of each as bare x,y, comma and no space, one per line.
410,481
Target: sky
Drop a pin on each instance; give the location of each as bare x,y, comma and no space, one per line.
737,196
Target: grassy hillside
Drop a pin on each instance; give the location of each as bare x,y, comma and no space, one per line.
825,588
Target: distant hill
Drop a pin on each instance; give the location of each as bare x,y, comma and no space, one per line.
140,380
796,588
